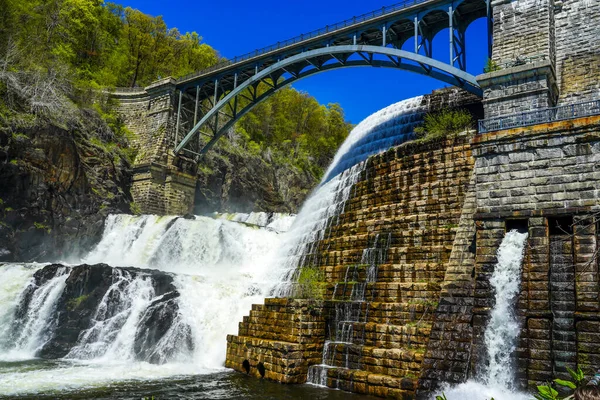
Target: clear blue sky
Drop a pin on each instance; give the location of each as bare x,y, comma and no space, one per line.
236,27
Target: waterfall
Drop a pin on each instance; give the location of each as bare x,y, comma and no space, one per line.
378,132
180,245
384,129
502,331
199,277
25,310
278,222
351,312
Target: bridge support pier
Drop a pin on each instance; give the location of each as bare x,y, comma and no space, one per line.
519,89
524,52
163,184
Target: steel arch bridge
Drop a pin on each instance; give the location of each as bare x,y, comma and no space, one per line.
213,100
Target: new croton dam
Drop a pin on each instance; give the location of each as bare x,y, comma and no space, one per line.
466,265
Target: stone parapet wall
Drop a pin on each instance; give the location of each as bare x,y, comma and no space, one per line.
148,115
519,89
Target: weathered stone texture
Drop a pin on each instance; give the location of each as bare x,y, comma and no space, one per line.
563,36
285,336
530,171
578,50
448,351
523,29
414,195
162,184
524,48
519,89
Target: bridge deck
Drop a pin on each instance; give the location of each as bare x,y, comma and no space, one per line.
403,28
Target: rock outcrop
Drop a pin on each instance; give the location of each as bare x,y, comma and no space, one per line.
57,184
232,180
96,302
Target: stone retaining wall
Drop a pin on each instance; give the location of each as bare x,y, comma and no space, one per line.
284,336
162,184
541,175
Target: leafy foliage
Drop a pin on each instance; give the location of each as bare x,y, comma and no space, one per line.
299,130
577,376
103,44
491,66
547,392
56,55
443,124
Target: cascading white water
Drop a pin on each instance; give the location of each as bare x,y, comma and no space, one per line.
279,222
503,329
116,319
221,267
179,245
378,132
35,324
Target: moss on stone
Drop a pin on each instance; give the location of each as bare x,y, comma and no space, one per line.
74,304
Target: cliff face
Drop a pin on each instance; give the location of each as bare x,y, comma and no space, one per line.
57,184
234,180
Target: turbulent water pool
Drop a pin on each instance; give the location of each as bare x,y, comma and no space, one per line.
41,379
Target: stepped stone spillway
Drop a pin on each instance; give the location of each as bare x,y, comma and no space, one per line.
413,193
446,207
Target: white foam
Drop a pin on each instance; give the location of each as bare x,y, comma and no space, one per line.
502,331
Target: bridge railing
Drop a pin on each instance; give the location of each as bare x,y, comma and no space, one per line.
300,38
547,115
127,90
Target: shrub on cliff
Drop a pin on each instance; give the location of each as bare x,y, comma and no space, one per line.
444,124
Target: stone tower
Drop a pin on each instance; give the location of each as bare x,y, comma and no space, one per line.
525,50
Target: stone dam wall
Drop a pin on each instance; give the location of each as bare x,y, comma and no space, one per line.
445,208
413,197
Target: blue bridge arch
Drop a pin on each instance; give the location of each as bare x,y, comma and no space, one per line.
210,102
